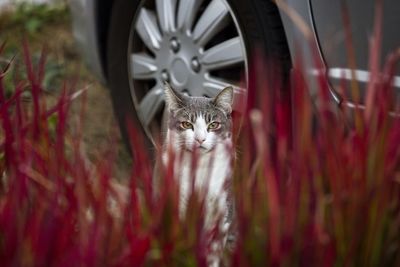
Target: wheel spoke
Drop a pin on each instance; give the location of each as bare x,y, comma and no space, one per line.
186,13
143,67
151,104
214,85
148,30
166,14
213,19
223,55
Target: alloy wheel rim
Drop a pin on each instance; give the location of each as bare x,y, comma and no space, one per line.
195,45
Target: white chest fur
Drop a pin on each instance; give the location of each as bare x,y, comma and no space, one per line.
208,174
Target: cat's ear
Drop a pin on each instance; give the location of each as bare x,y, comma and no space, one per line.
224,99
173,99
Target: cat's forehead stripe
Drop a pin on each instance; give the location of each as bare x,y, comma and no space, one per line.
206,115
192,115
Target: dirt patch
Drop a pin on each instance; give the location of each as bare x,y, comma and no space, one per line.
50,30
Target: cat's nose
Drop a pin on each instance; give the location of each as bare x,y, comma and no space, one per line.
200,140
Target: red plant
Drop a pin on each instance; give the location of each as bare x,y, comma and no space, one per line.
308,189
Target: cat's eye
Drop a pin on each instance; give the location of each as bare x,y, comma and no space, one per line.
186,125
214,125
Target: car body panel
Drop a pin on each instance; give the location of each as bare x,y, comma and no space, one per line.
330,28
302,40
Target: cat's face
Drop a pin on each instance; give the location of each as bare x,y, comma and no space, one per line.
199,122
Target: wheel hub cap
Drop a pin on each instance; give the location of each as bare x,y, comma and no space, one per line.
179,72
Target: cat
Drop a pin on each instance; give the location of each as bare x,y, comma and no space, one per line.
200,128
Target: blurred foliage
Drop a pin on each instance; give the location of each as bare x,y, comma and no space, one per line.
30,18
327,195
28,22
53,74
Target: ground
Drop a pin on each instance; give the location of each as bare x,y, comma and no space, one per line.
49,28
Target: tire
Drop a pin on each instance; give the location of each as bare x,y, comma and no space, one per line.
262,27
259,22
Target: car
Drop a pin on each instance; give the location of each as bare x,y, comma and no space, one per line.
202,46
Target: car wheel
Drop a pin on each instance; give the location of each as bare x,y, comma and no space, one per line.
198,46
